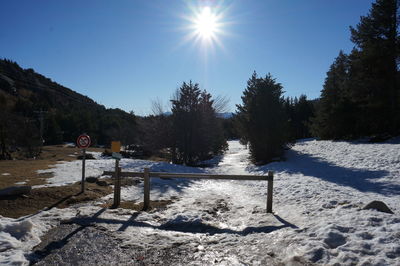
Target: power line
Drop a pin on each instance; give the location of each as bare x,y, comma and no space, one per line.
41,120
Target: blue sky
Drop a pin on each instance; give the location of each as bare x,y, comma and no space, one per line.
124,54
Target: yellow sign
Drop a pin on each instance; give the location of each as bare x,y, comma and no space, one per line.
115,146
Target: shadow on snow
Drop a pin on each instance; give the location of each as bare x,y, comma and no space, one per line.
195,226
181,226
363,180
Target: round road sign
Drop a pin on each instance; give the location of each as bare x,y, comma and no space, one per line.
83,141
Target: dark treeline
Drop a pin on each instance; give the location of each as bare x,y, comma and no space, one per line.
36,111
360,97
361,94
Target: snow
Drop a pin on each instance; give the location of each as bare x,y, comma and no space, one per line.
70,172
319,192
19,236
5,174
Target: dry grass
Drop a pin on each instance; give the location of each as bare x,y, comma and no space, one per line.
26,170
50,197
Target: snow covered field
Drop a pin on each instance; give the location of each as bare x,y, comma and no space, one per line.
319,192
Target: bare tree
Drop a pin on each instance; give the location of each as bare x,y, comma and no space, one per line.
157,107
221,103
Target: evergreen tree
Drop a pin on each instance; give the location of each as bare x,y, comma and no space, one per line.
335,115
361,94
299,112
197,134
262,118
374,69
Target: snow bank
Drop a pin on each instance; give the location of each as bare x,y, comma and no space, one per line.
70,172
19,236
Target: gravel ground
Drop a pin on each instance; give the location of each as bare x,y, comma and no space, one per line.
73,244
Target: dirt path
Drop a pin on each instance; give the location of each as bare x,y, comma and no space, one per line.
73,244
204,226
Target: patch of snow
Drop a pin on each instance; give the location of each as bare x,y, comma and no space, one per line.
71,172
69,145
95,154
20,183
5,174
19,236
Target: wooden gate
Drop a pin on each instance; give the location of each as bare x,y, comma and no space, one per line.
146,175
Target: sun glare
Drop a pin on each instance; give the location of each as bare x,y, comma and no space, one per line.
206,23
206,26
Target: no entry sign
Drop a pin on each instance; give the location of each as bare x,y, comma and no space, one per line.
83,141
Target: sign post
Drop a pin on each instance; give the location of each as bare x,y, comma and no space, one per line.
115,149
83,142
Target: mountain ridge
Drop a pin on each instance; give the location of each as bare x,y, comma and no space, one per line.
26,94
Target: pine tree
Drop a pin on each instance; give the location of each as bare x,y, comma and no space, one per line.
374,68
262,118
335,115
303,110
197,133
361,94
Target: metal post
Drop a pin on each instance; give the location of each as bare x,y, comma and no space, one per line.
83,170
269,192
146,188
117,185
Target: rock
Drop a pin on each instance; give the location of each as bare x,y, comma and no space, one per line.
333,240
15,191
379,206
91,179
102,183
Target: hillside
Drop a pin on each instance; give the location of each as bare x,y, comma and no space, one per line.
31,102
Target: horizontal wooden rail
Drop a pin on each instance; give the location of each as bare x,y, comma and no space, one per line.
191,175
147,175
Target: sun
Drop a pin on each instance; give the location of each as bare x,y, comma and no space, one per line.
206,24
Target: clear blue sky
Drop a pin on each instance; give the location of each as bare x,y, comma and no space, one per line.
127,53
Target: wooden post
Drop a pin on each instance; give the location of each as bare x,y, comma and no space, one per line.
269,192
117,185
83,170
146,188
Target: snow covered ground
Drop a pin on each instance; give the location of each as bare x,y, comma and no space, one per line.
319,192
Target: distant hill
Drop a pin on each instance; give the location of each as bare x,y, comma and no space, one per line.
225,115
32,102
220,115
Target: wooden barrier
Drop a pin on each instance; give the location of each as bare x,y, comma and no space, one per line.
146,188
146,175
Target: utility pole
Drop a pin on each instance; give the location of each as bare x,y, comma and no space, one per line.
41,120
